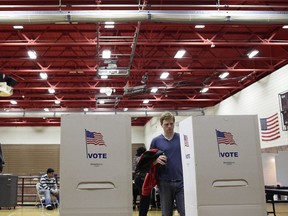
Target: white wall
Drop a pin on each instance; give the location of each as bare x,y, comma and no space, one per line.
269,169
47,135
260,98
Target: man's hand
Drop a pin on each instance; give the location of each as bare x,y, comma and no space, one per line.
162,159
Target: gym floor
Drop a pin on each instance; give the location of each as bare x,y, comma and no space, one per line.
281,210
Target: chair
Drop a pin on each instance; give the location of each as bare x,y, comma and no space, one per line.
41,199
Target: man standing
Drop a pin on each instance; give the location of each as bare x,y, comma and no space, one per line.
48,186
170,176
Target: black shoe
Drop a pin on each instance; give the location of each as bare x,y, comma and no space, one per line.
49,207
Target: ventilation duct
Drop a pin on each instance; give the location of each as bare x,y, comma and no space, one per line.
193,16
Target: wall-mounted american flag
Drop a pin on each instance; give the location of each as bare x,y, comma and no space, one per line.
94,138
270,129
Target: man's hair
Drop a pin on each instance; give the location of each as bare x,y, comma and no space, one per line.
167,116
50,170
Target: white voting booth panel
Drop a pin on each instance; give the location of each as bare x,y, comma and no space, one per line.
96,165
222,166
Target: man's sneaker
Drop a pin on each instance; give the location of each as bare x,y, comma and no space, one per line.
49,207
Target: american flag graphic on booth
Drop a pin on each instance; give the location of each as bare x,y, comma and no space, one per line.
94,138
225,138
270,129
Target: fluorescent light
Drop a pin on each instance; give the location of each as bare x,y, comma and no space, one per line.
57,101
154,90
43,75
14,102
18,27
109,26
101,102
146,101
46,109
223,75
106,54
104,77
164,75
32,54
199,26
180,54
85,109
253,53
285,27
102,90
203,90
51,90
125,109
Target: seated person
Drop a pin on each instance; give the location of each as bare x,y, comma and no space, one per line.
48,187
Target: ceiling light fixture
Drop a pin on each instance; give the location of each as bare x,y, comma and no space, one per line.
180,54
101,102
285,27
253,53
51,90
85,109
46,109
146,101
109,24
104,77
43,75
223,75
32,54
106,54
154,90
164,75
57,101
203,90
125,109
14,102
199,26
18,27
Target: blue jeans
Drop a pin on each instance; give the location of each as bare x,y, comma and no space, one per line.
47,196
170,191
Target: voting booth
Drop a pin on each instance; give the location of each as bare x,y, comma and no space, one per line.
95,165
222,166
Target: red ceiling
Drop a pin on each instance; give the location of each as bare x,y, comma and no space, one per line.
71,54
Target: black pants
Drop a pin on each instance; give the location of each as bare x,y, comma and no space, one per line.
144,200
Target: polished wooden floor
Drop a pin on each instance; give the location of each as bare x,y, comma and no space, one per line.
281,210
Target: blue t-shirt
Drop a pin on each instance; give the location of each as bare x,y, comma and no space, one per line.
173,168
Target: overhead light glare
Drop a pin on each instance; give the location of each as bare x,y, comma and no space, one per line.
154,90
223,75
14,102
164,75
43,75
106,54
51,90
57,101
199,26
180,54
205,89
146,101
32,54
253,53
285,27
